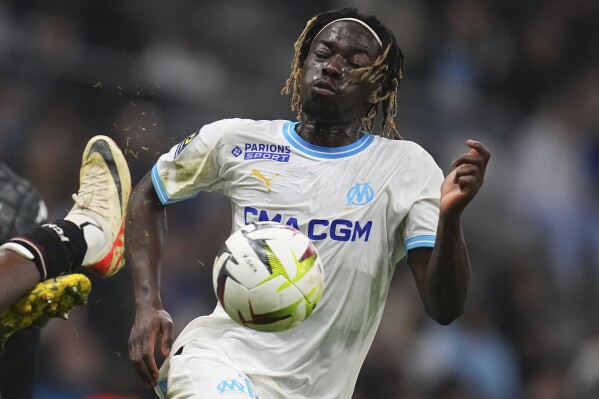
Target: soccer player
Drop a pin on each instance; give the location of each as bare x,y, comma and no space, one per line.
365,200
37,265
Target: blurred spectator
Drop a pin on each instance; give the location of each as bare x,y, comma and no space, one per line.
552,182
471,353
583,372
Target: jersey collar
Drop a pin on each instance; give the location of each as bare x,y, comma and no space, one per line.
324,152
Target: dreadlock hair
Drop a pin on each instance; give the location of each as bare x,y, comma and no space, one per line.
387,68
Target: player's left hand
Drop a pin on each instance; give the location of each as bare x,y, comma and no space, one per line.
463,183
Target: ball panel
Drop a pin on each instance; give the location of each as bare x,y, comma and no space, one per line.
236,300
312,287
266,315
283,256
261,250
248,271
299,243
239,245
264,301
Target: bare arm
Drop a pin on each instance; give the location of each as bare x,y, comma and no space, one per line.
442,274
144,243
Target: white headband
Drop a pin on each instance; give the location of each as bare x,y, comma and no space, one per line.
364,24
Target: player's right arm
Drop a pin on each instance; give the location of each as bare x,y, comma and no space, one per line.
189,167
144,244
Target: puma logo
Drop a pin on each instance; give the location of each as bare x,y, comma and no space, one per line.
256,173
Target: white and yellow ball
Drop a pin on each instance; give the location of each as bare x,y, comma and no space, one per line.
268,276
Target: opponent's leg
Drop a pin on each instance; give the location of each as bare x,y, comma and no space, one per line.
91,235
92,232
101,205
54,297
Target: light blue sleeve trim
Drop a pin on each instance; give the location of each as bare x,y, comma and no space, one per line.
420,241
161,190
163,386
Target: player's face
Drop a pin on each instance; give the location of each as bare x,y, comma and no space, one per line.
330,90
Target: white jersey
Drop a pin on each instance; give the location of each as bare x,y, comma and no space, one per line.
362,205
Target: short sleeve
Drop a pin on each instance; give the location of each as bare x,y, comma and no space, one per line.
190,166
420,225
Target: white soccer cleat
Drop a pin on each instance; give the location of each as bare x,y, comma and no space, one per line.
104,189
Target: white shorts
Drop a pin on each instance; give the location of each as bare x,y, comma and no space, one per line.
196,372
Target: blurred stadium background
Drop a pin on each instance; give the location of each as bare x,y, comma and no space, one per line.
522,77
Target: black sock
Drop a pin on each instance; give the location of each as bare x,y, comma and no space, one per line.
56,247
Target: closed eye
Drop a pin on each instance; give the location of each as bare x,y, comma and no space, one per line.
358,61
321,55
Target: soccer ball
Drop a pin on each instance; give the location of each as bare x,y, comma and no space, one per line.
268,276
